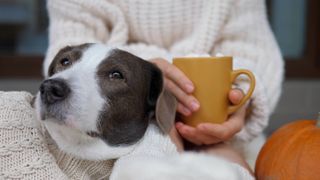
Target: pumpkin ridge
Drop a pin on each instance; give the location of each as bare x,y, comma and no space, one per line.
289,144
301,152
309,144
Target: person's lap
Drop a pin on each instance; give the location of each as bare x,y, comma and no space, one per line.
222,150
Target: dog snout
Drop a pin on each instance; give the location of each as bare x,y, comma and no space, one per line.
54,90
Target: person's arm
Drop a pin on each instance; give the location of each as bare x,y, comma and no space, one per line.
247,36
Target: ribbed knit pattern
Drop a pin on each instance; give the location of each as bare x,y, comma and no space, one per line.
27,152
167,28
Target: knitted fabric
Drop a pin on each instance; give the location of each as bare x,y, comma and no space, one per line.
27,152
168,28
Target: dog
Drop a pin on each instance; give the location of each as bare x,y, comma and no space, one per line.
101,103
98,101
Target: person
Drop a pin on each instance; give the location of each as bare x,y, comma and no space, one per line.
160,29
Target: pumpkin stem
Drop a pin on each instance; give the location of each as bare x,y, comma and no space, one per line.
318,121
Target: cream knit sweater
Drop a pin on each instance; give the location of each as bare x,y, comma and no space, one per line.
27,151
167,28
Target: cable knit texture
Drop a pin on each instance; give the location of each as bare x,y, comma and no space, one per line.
27,152
168,28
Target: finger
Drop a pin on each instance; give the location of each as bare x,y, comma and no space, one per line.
195,136
235,122
240,113
187,100
227,129
172,72
175,74
183,110
219,131
208,139
223,131
188,133
235,96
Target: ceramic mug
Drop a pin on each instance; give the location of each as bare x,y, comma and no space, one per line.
213,78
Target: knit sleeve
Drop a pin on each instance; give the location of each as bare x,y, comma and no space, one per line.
248,38
24,153
74,22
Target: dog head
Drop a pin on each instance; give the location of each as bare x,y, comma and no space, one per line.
98,101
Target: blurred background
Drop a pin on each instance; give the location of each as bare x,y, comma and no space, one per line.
296,25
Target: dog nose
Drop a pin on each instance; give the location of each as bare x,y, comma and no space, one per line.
54,90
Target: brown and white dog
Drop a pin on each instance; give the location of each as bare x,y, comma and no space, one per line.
98,101
101,103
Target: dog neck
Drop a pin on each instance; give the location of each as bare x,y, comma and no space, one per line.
77,143
154,143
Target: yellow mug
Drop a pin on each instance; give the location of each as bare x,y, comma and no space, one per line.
213,78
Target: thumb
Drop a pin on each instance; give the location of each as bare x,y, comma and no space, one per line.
235,96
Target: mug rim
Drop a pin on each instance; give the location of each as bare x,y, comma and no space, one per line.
204,58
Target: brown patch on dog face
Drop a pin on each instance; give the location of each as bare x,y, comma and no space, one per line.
132,87
66,57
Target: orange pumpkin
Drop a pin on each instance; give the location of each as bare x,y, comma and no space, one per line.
292,152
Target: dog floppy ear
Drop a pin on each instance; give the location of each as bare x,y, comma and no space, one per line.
166,110
162,104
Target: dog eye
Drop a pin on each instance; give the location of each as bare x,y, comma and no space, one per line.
65,62
115,75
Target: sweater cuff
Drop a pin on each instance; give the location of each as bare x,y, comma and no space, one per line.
258,116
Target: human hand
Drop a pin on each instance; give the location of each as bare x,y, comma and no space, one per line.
208,133
179,85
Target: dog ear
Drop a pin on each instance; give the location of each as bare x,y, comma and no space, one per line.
162,102
166,110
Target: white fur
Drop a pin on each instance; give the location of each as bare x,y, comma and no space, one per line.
156,157
188,166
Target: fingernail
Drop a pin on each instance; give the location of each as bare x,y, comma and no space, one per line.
195,105
189,88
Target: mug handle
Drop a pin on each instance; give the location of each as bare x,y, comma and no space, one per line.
234,75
